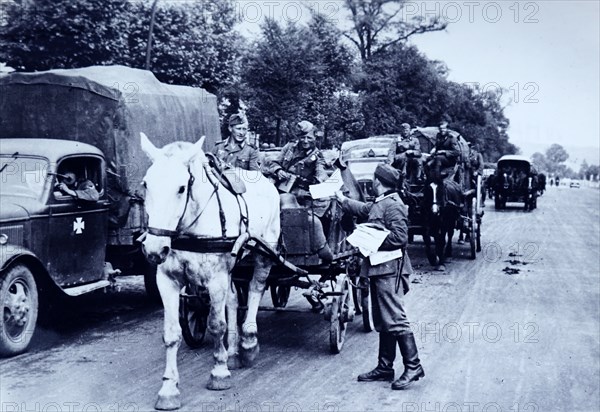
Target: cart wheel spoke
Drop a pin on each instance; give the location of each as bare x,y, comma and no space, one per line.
342,311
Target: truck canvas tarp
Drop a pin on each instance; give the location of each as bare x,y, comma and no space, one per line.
108,107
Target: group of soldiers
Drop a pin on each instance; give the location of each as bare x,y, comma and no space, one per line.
300,164
441,163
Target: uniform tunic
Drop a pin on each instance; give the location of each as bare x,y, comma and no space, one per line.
307,165
449,143
244,156
388,306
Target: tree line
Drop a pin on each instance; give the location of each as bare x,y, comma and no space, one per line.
552,162
356,83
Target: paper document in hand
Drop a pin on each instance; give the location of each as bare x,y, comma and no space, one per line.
367,239
383,256
328,187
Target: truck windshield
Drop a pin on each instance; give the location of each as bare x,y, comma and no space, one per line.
22,176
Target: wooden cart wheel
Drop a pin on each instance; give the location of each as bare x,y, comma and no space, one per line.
473,229
280,295
357,296
342,312
479,234
193,316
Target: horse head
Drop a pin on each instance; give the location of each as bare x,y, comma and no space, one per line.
167,183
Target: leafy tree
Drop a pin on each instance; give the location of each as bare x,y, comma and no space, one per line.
556,155
379,24
540,161
47,34
194,42
593,172
275,76
401,85
346,120
293,72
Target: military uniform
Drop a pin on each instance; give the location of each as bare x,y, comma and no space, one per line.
308,166
388,306
85,190
412,162
244,156
389,315
449,143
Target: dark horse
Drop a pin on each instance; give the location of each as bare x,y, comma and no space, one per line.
442,202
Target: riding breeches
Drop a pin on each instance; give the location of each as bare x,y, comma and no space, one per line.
388,305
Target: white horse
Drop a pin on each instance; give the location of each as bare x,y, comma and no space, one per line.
183,197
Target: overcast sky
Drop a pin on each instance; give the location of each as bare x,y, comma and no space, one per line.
546,53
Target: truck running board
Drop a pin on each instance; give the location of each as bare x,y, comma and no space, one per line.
80,290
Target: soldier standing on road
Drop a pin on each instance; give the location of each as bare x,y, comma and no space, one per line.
235,151
388,211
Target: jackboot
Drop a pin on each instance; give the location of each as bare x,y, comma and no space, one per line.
410,357
385,366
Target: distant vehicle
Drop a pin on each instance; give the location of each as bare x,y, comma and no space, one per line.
575,184
516,181
363,155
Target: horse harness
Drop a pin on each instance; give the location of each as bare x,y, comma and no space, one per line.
223,244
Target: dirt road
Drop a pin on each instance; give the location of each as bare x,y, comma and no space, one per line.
490,339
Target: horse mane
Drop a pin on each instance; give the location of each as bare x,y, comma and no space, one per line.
182,149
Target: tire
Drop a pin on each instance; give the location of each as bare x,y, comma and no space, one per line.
473,230
193,317
342,312
19,302
280,295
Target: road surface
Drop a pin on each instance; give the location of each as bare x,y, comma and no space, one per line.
490,339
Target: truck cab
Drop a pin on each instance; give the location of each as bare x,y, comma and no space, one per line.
47,237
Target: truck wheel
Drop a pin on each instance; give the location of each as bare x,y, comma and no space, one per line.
19,303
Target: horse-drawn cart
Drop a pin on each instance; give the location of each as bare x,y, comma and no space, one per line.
333,289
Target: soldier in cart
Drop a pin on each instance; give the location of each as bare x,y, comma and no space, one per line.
446,152
408,156
235,151
299,165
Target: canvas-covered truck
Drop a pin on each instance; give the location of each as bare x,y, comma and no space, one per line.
84,121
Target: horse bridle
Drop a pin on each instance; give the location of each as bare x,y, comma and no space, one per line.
177,232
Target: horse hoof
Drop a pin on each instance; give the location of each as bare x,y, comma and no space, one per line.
168,403
248,355
219,383
234,362
440,268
